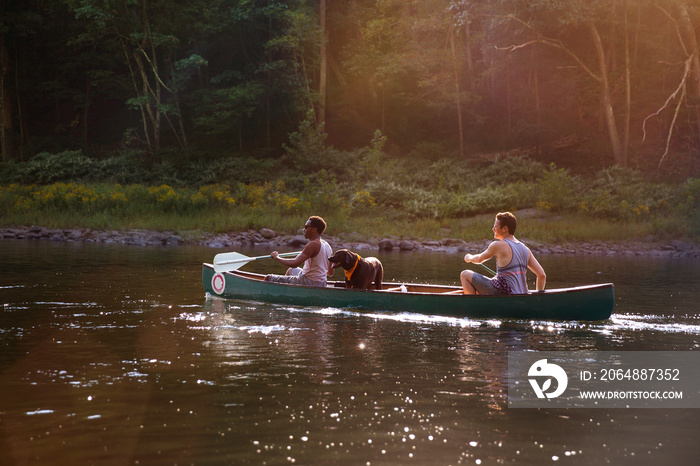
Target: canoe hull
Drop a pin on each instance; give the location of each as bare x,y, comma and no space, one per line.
594,302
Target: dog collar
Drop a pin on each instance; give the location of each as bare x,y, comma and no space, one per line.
348,273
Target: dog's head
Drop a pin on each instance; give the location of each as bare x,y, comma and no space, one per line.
343,258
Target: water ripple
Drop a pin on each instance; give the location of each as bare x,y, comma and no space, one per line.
653,323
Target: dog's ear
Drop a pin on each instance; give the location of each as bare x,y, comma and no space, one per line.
350,259
340,257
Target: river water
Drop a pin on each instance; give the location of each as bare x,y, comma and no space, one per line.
112,354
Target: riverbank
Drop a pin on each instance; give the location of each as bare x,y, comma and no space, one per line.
266,238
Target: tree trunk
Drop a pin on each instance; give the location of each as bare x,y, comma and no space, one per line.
142,107
508,106
686,25
157,123
383,110
86,107
323,77
5,107
470,58
628,89
606,98
149,117
309,95
3,150
458,91
536,85
18,103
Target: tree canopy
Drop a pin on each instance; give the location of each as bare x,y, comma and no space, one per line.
615,81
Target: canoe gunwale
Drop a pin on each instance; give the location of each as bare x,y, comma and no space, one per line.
339,285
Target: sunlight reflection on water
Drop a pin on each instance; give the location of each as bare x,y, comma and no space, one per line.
114,354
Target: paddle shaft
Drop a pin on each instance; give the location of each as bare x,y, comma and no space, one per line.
492,272
250,259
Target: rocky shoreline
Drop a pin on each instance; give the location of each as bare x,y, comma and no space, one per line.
269,239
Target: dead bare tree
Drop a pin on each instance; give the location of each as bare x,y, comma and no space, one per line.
691,73
601,77
682,86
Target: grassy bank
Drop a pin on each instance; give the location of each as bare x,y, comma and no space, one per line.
365,193
220,208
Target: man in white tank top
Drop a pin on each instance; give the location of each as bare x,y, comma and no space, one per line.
513,259
314,256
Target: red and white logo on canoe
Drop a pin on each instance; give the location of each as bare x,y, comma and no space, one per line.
218,283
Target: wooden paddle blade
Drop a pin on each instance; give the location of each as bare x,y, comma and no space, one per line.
227,261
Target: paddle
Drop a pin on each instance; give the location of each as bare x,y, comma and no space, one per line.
228,261
492,272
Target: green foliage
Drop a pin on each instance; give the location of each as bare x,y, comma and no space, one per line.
230,170
371,162
690,201
47,168
612,197
210,72
429,151
558,189
623,194
364,182
223,110
416,202
133,168
307,146
73,166
391,195
489,199
442,174
512,169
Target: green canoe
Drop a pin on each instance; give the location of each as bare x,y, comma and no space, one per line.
594,302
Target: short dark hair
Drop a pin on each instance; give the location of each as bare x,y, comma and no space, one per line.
507,220
318,223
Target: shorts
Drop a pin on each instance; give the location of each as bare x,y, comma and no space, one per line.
484,285
293,277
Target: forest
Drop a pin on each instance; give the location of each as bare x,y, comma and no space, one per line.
424,106
615,82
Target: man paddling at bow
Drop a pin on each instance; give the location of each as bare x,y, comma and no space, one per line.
513,259
314,256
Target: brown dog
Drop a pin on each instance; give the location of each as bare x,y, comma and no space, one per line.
359,272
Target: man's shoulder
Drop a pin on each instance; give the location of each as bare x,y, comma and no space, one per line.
498,244
313,246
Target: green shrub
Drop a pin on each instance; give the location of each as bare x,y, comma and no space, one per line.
488,199
443,174
389,195
558,190
623,194
123,168
230,170
45,168
307,146
690,202
512,169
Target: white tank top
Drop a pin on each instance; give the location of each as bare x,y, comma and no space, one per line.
316,268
